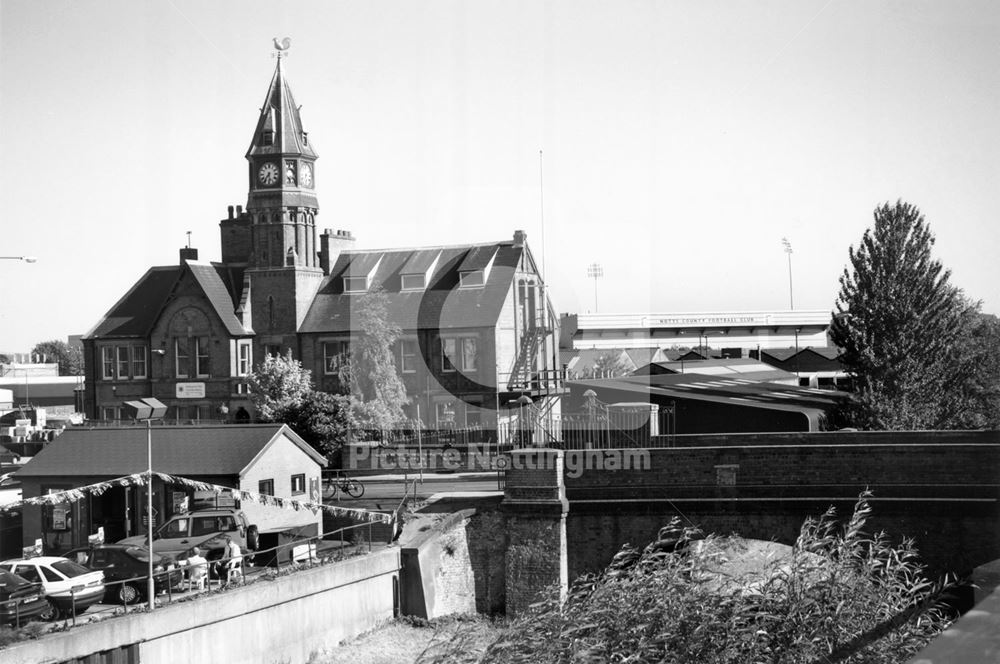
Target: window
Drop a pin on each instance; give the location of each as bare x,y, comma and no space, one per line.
204,525
201,357
181,357
445,412
265,487
110,413
298,484
267,137
138,362
355,284
108,363
468,354
448,354
335,354
408,356
122,353
245,363
471,279
414,281
272,349
175,528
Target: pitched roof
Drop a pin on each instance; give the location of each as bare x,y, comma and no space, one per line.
280,114
210,278
187,451
135,314
732,391
441,305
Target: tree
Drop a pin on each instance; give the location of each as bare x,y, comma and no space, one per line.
322,419
277,385
376,391
838,595
903,329
610,365
69,358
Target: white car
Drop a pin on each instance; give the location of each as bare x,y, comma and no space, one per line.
68,585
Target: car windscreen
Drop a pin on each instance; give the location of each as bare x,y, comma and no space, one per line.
69,569
11,582
140,553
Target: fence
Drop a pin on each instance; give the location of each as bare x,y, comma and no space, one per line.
598,426
219,573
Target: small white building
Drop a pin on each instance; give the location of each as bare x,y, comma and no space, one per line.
258,458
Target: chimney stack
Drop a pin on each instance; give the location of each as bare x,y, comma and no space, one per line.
331,244
519,238
188,254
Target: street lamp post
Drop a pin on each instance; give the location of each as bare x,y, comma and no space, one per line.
595,272
148,409
26,259
788,250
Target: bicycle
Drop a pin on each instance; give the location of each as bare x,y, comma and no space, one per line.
351,487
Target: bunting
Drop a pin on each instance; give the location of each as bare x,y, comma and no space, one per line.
139,479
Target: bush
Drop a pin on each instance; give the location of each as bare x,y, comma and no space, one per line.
840,595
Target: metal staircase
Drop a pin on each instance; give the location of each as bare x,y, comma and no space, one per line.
525,366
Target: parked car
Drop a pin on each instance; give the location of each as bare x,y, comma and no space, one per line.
66,584
206,529
20,600
126,570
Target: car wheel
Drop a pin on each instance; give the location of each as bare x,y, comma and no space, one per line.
51,611
128,594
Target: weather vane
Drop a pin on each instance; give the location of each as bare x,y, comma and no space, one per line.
281,46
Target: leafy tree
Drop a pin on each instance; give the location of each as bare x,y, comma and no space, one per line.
69,358
322,419
278,384
610,365
840,595
904,329
376,391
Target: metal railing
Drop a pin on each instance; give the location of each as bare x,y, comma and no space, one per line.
218,572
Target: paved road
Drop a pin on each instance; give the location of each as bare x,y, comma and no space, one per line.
385,492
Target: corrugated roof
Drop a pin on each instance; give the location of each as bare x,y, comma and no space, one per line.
178,450
442,305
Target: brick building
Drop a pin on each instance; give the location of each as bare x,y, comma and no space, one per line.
478,330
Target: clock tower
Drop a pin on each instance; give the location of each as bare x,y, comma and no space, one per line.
283,263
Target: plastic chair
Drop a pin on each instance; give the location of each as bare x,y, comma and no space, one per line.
196,577
234,570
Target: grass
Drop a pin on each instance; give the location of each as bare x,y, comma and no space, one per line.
407,639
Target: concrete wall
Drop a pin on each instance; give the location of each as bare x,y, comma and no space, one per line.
456,565
286,620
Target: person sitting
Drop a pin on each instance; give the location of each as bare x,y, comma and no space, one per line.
234,560
197,570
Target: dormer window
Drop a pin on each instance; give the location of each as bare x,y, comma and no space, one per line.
355,284
471,279
413,282
267,137
305,138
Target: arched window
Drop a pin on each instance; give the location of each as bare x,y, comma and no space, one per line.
270,311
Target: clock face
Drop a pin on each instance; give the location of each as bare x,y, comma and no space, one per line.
306,175
268,174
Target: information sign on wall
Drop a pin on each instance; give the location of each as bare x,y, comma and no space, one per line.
190,390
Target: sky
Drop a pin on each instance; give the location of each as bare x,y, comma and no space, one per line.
673,143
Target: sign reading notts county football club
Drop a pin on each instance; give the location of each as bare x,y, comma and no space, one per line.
190,390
